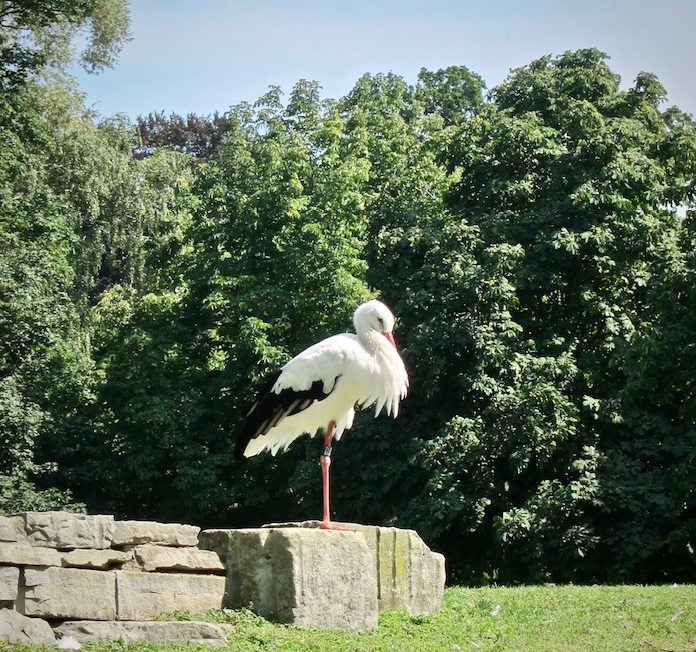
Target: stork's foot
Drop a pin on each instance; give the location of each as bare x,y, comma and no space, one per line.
328,525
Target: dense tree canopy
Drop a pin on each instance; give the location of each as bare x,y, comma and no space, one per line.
568,186
199,136
536,245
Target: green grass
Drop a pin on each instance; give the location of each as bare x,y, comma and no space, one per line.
527,619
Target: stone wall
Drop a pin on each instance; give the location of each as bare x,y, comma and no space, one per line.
56,566
92,577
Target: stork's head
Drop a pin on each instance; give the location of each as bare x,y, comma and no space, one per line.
374,316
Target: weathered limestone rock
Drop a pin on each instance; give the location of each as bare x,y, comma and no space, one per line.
66,531
9,583
309,578
14,627
145,595
161,534
12,529
17,555
185,559
94,558
409,575
196,633
68,593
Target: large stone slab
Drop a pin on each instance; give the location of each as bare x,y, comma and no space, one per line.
128,533
66,531
309,578
14,627
12,529
18,555
9,583
100,559
153,558
145,595
409,575
195,633
68,593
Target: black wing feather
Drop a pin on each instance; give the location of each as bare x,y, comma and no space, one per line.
270,408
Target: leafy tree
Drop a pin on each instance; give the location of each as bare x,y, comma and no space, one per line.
395,144
70,198
34,33
566,180
455,93
661,370
134,239
274,247
198,136
36,321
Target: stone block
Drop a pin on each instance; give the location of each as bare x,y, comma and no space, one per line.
66,531
128,533
409,575
153,558
9,583
18,555
309,578
100,559
68,593
12,529
195,633
16,628
144,595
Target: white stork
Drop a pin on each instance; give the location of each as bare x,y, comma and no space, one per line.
319,388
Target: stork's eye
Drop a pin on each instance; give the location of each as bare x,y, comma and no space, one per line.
381,322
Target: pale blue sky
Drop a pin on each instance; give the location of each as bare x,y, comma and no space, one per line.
206,55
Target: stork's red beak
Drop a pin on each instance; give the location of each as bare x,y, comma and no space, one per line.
390,337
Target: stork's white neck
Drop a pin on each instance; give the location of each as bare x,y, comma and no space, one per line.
378,346
372,340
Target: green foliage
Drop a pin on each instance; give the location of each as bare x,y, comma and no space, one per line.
566,180
661,369
37,327
454,93
75,211
108,30
35,33
131,262
273,245
537,248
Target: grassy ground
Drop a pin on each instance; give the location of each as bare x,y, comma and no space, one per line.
527,619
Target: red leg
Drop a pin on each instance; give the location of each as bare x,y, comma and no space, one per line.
326,523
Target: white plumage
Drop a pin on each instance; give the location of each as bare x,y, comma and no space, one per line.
322,385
